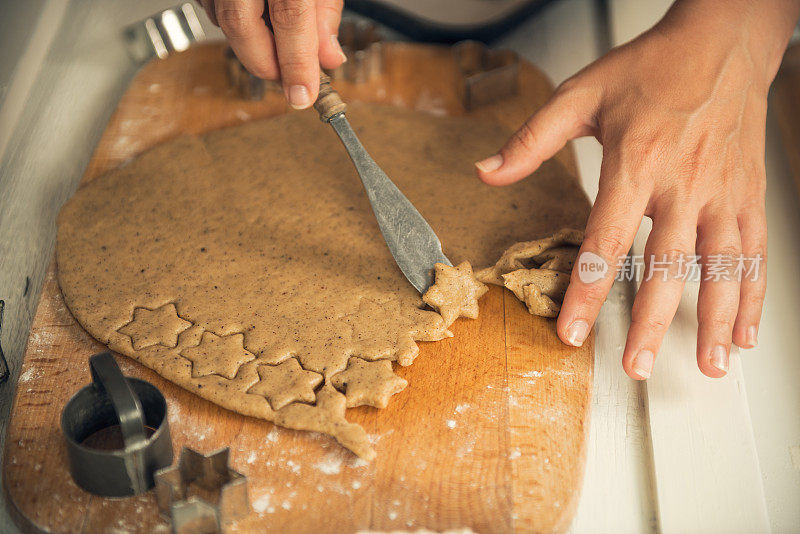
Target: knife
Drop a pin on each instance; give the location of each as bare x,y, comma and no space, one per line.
410,238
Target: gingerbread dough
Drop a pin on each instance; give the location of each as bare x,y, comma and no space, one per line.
455,292
537,272
246,265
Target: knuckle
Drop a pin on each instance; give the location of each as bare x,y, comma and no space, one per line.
650,323
591,296
332,8
718,322
730,252
674,255
609,241
294,63
650,152
288,14
525,137
234,21
753,300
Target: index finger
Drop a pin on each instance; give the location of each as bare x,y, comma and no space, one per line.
247,33
294,23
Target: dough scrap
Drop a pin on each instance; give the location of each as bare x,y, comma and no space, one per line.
537,272
285,383
368,383
551,283
514,257
539,303
455,292
153,327
261,235
560,259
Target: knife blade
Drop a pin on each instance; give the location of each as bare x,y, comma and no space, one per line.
410,238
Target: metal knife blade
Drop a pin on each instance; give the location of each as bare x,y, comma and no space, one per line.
411,240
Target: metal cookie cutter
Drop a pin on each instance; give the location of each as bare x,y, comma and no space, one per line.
362,43
171,30
487,75
99,461
211,474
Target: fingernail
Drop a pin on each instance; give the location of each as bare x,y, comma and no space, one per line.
643,364
577,332
299,97
719,358
337,46
491,163
752,336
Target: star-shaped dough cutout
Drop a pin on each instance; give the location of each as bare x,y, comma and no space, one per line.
368,383
455,293
161,326
389,330
218,355
285,383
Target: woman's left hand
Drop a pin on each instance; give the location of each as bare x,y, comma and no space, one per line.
680,112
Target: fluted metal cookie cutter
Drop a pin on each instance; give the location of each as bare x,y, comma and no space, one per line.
486,75
362,43
171,30
213,476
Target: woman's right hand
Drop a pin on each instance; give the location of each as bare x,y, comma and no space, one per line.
305,37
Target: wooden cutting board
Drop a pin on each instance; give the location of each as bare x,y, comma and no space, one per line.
494,443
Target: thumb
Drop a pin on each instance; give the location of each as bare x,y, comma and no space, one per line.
565,116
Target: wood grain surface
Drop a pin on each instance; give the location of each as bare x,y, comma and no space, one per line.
786,94
490,433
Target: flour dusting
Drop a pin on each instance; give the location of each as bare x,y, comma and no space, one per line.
331,465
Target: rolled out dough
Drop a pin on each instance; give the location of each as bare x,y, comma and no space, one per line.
246,265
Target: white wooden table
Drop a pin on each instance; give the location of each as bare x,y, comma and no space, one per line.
681,453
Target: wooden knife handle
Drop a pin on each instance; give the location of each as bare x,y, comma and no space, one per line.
328,103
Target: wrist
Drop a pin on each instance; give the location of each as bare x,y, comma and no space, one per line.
760,28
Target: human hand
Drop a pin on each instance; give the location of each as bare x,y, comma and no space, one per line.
680,112
305,37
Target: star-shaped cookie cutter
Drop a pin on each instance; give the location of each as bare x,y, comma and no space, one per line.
486,75
211,474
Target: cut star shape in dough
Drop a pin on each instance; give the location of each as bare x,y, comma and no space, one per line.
218,355
285,383
371,339
161,326
368,383
455,293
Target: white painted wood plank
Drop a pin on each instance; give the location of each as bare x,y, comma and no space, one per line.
772,369
706,467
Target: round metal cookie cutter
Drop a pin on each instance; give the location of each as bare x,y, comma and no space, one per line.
140,411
